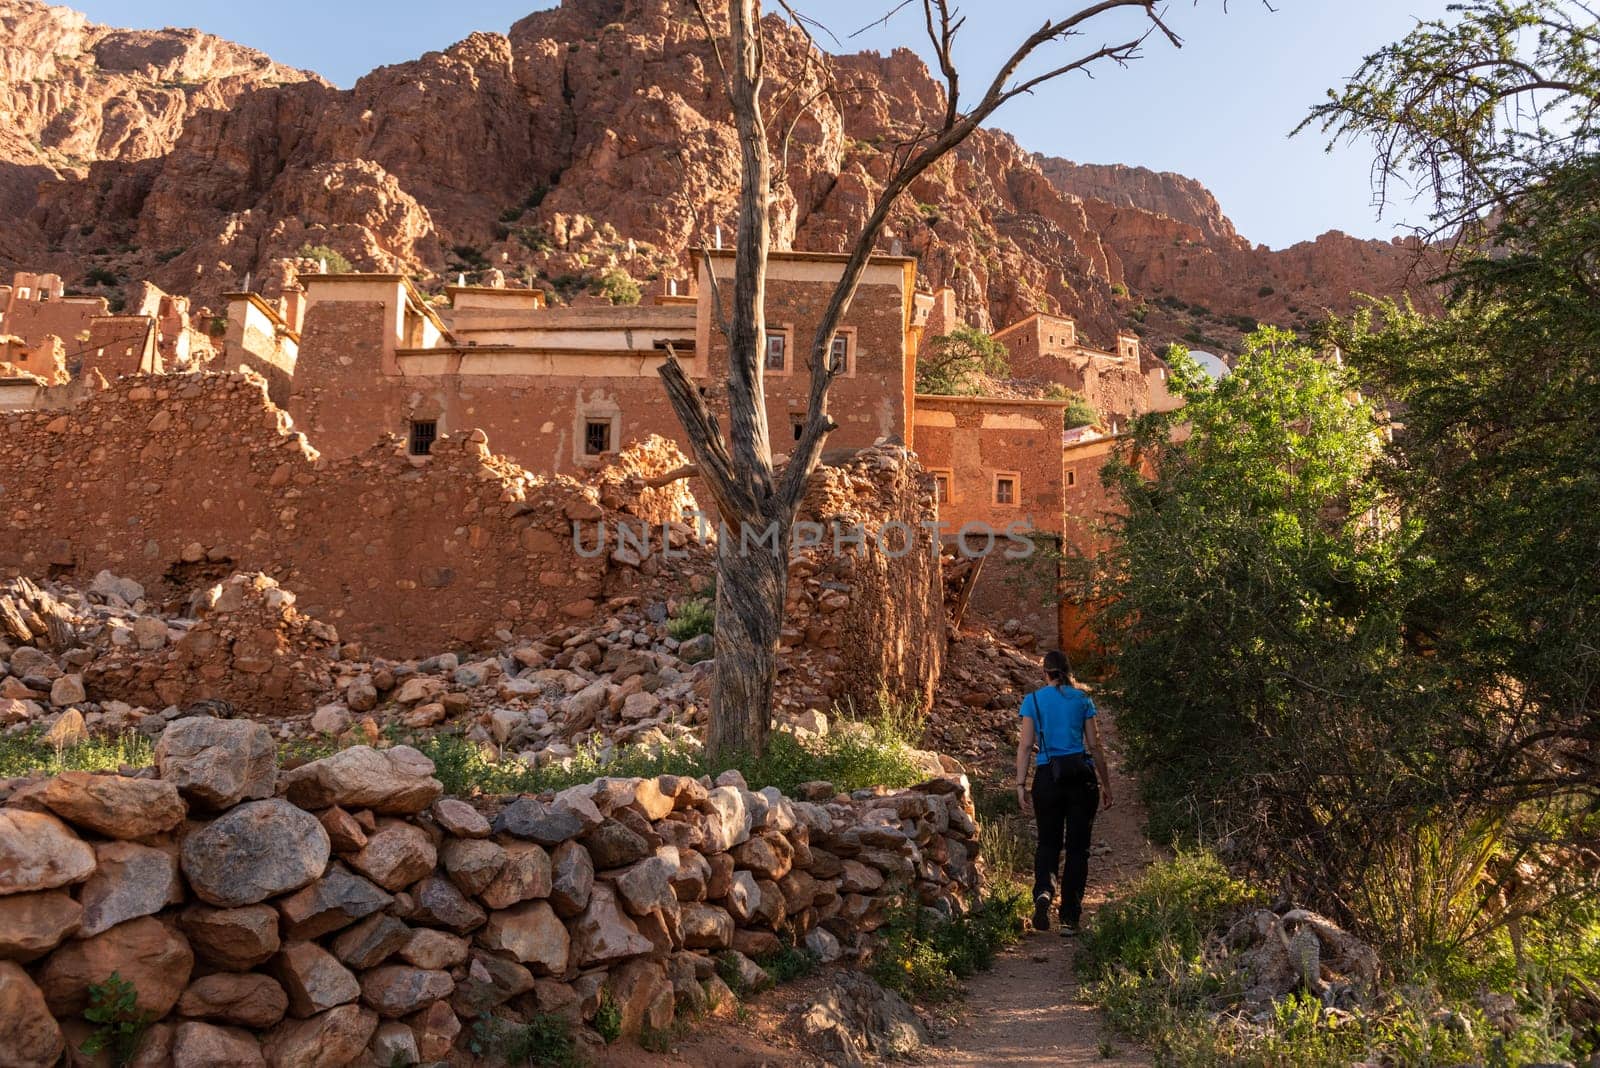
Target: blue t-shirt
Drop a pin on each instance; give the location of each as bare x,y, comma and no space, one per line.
1058,715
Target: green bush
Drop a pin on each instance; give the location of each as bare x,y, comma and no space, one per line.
693,618
925,960
788,964
29,754
544,1042
617,286
951,364
113,1007
608,1018
337,264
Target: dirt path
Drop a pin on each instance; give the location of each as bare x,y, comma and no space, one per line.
1027,1011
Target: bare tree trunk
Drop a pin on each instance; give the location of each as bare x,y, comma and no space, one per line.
752,582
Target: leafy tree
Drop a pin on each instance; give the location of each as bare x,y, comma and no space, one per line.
1079,411
618,287
950,364
1249,596
1481,106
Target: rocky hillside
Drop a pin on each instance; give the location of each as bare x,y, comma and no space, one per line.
594,137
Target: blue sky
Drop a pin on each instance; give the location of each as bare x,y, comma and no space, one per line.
1219,110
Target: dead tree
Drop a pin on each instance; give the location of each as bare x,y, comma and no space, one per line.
757,502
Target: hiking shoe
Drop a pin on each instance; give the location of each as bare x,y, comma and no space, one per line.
1069,930
1041,913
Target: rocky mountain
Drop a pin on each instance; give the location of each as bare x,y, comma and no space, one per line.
592,138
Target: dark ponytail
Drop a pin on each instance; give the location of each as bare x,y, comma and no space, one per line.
1058,669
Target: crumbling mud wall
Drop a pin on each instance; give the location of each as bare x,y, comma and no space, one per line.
178,481
344,912
869,611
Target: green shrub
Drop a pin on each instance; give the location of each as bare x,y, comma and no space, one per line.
925,960
617,286
951,364
337,264
100,276
788,964
608,1018
113,1006
693,618
544,1041
30,754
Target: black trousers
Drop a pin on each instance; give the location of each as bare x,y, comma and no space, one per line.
1065,815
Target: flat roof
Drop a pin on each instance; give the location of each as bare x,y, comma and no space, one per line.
800,254
1028,402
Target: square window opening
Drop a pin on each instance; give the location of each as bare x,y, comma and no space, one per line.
424,432
941,488
839,353
777,351
1005,490
596,437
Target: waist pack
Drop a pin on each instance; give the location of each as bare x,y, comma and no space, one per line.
1073,768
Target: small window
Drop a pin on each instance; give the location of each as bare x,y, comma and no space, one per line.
941,488
423,434
798,423
596,437
1072,478
777,351
839,354
1005,489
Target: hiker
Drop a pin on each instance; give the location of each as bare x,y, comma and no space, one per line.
1058,721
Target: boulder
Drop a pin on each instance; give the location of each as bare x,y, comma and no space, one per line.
855,1022
336,900
345,833
29,1035
394,1044
769,856
203,1045
603,933
396,856
114,806
532,933
255,851
67,691
145,952
396,990
646,887
129,881
245,999
728,819
473,863
614,845
39,852
440,904
643,995
524,875
433,950
435,1029
572,879
216,763
459,818
397,781
490,981
536,821
237,939
31,925
756,942
749,976
313,979
706,927
744,897
333,1039
372,941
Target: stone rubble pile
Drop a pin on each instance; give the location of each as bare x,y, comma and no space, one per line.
974,715
346,912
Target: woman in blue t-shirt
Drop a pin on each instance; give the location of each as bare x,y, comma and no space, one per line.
1071,781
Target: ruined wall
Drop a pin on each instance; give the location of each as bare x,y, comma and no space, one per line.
344,912
167,480
869,616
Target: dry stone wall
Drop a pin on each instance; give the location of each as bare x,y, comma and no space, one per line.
345,911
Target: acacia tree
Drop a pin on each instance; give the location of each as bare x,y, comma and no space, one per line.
756,500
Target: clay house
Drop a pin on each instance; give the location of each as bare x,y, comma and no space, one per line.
996,463
258,336
1046,349
1088,526
560,388
35,312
